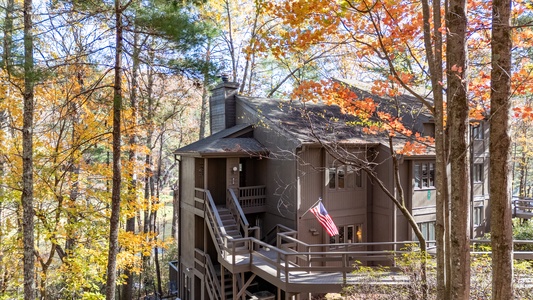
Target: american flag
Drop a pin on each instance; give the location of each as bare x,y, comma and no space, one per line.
325,220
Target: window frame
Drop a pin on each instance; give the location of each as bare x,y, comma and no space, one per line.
428,231
477,132
477,214
424,175
343,177
478,172
345,237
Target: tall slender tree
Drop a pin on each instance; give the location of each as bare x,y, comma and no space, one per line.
434,56
456,21
127,288
500,146
114,223
8,36
27,155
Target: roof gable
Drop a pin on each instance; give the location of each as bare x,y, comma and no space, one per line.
235,141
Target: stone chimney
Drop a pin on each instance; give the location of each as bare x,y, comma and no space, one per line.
222,105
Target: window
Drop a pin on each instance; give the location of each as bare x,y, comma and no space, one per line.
340,177
343,177
424,175
332,183
429,129
348,234
353,177
478,172
428,231
477,131
478,215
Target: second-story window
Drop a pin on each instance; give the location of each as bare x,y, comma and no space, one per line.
477,131
344,177
424,175
478,172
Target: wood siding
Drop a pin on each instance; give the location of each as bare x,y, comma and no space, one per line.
278,172
382,207
187,216
311,185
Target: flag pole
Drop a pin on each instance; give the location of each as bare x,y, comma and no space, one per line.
319,199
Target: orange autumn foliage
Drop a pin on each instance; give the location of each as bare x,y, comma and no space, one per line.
373,120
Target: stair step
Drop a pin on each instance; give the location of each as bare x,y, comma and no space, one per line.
233,233
229,223
228,220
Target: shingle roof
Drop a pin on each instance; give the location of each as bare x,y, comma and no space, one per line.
304,121
234,141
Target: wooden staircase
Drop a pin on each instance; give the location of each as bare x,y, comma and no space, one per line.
228,287
229,223
232,231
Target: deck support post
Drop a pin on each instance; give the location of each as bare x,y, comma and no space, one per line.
241,293
222,282
234,281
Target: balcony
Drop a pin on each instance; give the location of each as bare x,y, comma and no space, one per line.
252,199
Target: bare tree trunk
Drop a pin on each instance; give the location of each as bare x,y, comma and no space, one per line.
410,219
522,175
248,65
459,154
229,41
156,229
148,171
205,91
175,211
500,145
27,156
127,288
114,222
433,46
8,36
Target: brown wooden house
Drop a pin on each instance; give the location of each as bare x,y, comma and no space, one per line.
245,191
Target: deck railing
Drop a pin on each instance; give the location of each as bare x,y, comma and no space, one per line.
212,282
214,223
233,204
283,261
311,260
252,196
523,207
289,257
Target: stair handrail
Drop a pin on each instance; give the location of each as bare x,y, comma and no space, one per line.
277,229
210,278
235,207
211,212
242,222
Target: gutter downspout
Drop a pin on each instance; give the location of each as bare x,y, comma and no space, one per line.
179,283
471,143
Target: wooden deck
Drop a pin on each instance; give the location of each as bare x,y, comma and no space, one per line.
318,272
296,267
308,271
522,208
